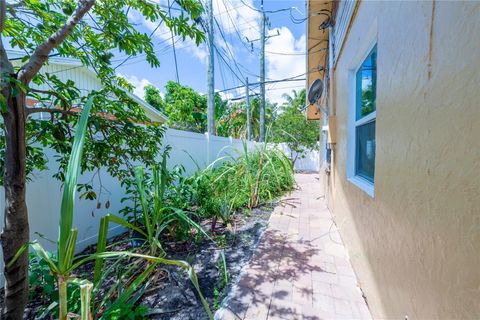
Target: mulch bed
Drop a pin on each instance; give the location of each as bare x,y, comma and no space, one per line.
171,295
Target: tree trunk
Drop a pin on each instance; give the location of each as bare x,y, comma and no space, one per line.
15,230
294,159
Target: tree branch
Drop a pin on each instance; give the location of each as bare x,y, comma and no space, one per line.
51,111
31,68
5,64
3,14
51,93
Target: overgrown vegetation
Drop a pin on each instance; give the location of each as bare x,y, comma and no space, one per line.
92,32
62,266
292,127
255,177
171,206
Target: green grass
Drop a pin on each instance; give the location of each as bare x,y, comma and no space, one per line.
256,177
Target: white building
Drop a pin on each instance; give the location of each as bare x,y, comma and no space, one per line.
84,78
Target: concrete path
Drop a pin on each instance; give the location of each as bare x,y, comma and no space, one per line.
300,269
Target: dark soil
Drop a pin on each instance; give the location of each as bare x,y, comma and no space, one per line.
171,295
175,300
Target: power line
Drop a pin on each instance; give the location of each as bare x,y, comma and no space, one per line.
229,67
265,11
228,48
257,94
173,44
266,82
237,64
237,31
151,34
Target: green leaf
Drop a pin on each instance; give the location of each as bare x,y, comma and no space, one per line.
101,246
123,298
140,176
179,263
3,103
68,199
19,253
43,254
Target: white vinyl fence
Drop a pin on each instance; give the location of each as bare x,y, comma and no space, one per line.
309,162
44,193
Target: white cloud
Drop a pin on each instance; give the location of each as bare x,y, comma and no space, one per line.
226,95
232,94
290,63
138,84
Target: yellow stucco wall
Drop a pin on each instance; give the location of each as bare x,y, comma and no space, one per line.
415,246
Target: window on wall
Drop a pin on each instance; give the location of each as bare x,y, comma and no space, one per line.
362,171
365,114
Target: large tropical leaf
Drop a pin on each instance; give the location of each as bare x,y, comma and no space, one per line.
69,188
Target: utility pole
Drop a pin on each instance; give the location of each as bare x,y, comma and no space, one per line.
262,40
249,122
262,76
210,73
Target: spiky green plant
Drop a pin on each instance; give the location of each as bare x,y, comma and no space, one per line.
156,217
67,238
256,175
66,263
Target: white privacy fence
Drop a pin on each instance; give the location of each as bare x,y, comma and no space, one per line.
307,162
44,193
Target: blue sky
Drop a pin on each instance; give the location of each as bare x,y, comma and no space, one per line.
284,53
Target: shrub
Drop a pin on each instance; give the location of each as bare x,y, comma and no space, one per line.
126,312
256,177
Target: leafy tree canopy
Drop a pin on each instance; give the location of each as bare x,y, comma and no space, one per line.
154,97
185,108
234,119
105,32
292,127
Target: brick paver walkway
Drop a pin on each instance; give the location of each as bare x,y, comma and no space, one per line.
300,269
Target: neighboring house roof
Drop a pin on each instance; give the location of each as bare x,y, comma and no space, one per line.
86,80
150,111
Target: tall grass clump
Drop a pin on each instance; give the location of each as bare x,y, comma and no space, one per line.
256,177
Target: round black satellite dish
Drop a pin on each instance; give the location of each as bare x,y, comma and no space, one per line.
315,91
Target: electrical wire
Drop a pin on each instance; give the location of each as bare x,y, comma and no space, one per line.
140,58
264,11
222,75
173,44
258,84
228,66
151,34
228,47
238,32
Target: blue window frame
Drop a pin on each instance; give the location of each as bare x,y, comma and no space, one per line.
365,116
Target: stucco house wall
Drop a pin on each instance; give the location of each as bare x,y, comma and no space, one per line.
415,245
